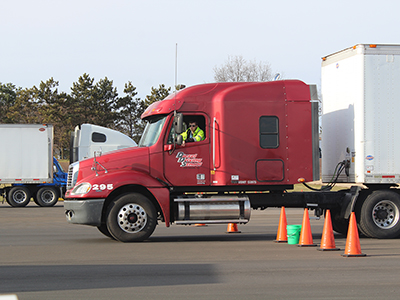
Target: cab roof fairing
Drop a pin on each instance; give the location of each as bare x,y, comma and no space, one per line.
190,95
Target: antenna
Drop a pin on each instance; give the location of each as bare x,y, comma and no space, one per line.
176,66
176,80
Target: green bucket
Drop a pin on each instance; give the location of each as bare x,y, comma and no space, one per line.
293,234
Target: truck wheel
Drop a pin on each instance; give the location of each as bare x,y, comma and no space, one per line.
19,196
380,214
131,218
47,196
104,230
340,225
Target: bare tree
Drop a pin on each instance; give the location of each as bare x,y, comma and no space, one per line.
236,68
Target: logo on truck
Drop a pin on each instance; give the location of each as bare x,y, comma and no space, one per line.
189,160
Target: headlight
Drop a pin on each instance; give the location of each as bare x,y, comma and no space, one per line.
81,189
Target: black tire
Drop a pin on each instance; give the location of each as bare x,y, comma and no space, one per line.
380,215
104,230
340,225
131,218
47,196
19,196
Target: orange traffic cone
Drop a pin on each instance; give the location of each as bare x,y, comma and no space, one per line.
232,228
200,224
353,247
328,240
281,235
306,239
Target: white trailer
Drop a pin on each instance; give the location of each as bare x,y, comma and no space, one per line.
27,154
361,115
26,165
361,109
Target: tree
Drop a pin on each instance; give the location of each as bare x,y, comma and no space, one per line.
24,109
53,108
237,69
8,97
89,102
157,94
128,110
93,103
106,96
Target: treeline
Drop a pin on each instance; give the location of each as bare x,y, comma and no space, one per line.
88,102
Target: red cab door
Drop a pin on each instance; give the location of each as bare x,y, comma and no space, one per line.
188,165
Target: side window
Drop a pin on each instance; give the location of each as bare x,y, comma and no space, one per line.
98,137
201,123
269,132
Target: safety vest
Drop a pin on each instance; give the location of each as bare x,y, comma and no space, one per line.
198,134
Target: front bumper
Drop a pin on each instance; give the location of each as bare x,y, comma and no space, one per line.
86,212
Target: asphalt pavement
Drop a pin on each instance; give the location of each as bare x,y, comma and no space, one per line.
44,257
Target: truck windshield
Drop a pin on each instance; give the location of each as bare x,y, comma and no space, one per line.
152,131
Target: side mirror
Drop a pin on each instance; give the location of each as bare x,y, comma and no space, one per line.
179,139
178,123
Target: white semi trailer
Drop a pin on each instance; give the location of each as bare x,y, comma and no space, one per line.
27,166
360,122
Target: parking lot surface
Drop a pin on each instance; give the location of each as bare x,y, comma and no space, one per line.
44,257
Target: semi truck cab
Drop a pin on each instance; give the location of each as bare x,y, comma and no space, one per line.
259,136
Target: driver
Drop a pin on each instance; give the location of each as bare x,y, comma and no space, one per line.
193,134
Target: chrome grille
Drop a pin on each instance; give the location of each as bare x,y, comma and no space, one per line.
70,176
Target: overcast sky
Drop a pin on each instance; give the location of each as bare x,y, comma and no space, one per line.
135,40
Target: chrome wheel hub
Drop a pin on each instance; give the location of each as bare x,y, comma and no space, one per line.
132,218
48,196
19,196
385,214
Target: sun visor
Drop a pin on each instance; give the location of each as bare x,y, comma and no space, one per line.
163,107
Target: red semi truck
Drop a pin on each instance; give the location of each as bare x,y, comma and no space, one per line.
261,138
258,137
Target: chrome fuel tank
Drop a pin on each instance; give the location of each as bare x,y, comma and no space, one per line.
214,209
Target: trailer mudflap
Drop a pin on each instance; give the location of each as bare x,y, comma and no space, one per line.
349,201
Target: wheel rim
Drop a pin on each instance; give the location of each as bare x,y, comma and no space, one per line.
19,196
47,196
385,214
132,218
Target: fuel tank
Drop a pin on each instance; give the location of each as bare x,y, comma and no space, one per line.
212,209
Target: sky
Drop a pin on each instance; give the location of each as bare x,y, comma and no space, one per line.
139,40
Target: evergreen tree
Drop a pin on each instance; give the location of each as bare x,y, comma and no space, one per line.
8,97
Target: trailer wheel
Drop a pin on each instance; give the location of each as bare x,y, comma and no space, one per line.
380,215
131,218
47,196
340,225
19,196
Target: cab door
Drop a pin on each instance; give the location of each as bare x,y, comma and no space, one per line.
188,165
